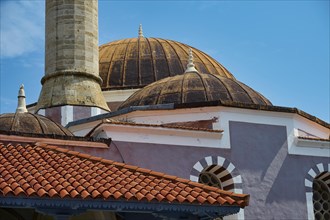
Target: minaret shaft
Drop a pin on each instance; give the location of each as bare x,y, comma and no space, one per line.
71,58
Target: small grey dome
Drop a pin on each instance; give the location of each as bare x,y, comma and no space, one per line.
31,124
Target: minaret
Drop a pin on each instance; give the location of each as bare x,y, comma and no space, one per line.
72,56
21,105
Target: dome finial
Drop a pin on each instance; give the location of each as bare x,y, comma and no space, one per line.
140,31
21,106
191,65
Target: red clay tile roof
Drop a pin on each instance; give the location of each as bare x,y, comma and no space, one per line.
43,171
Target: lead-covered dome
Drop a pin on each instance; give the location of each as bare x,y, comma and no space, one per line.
137,62
23,122
28,123
195,87
192,87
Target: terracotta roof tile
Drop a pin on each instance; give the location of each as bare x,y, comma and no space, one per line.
6,190
159,197
50,171
150,197
229,199
128,195
201,199
18,190
240,202
182,181
41,192
211,200
191,199
30,191
52,193
221,200
84,194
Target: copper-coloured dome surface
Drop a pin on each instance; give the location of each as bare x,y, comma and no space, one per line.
31,124
137,62
195,87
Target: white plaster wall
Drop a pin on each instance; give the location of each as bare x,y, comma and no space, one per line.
224,115
155,135
118,95
291,121
83,129
66,114
302,123
169,116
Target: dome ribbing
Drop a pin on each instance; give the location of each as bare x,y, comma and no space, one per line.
195,87
137,62
29,123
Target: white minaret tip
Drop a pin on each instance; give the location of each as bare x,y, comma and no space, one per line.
191,65
140,31
21,106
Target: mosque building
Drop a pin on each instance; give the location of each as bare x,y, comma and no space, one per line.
151,128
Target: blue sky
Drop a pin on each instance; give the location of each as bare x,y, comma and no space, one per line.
279,48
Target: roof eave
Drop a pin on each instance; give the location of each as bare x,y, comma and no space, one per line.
80,205
172,106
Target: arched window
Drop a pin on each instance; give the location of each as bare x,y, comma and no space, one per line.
217,176
321,196
316,180
219,172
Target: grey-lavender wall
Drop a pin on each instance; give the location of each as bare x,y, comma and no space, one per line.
273,178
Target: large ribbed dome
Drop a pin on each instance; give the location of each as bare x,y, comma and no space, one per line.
28,123
195,87
137,62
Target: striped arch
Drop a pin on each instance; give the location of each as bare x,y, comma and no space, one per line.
312,173
221,167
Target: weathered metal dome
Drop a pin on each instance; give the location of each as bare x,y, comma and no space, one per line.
195,87
28,123
137,62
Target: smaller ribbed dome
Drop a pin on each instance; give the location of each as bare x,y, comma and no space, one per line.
195,87
29,123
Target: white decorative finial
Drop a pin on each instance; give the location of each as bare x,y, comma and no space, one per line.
21,106
191,65
140,31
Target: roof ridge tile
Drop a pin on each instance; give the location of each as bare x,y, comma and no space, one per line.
143,170
85,156
130,167
229,200
155,173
